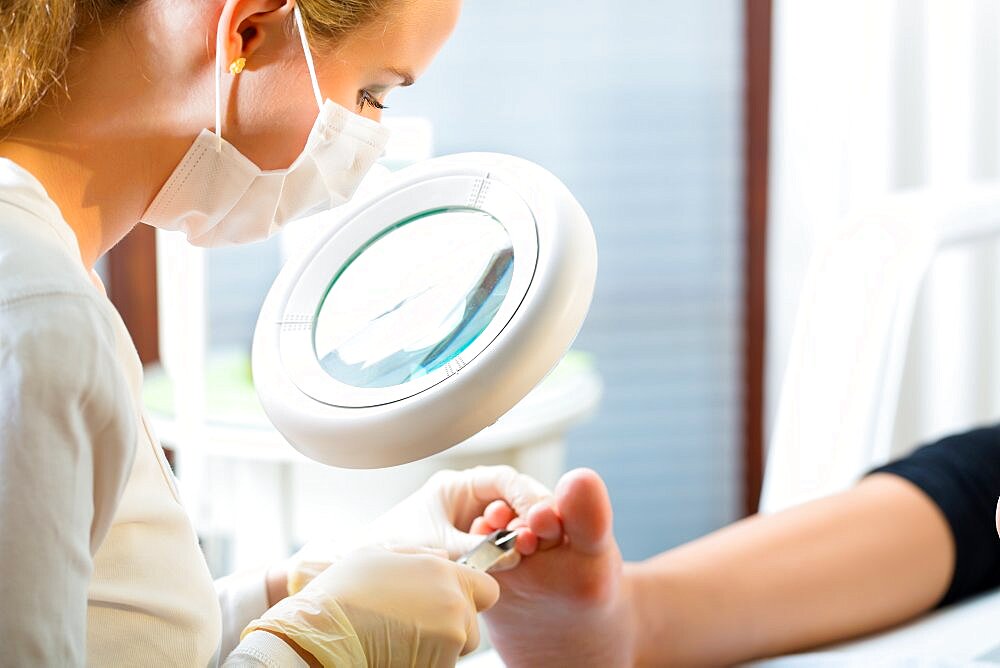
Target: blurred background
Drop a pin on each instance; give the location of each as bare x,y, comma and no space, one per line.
713,145
638,108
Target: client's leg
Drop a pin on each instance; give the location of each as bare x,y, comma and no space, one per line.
850,564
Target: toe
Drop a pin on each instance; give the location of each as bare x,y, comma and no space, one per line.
545,523
527,542
498,513
585,508
481,527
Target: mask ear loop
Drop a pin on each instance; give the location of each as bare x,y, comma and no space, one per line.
309,58
218,88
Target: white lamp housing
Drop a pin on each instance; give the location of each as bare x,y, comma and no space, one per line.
550,289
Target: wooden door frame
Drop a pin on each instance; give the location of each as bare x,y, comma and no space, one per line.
758,16
133,290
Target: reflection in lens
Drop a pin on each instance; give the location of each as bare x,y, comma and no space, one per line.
414,298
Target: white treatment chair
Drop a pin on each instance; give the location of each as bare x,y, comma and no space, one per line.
839,396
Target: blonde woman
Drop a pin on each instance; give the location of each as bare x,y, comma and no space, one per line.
223,119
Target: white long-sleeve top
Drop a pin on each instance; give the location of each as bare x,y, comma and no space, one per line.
99,563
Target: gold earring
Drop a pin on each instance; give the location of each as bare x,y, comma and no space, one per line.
237,66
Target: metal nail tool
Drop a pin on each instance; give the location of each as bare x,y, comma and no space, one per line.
491,551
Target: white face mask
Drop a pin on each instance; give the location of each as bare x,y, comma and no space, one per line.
218,197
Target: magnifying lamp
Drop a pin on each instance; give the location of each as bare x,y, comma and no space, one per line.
426,312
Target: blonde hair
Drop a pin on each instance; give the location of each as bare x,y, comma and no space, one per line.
36,37
327,21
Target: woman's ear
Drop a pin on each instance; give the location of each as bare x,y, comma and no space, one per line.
247,24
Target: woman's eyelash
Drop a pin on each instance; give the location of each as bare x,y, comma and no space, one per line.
368,98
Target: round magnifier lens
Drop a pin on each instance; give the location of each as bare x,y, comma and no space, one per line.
413,298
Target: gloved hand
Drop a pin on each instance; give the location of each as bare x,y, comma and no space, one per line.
376,607
438,515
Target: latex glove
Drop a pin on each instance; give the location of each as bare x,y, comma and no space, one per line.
438,515
376,607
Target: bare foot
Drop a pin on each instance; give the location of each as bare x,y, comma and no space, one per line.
567,604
